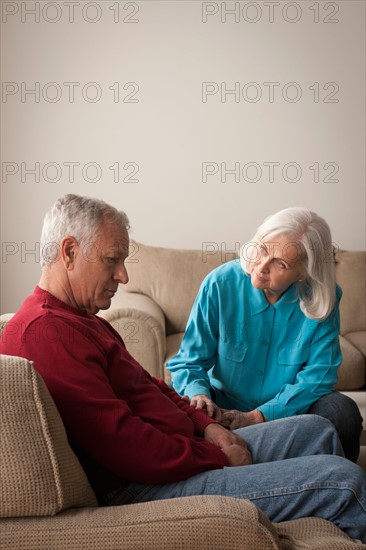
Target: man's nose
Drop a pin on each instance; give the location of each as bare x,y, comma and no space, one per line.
121,274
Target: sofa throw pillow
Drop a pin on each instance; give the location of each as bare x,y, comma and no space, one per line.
40,474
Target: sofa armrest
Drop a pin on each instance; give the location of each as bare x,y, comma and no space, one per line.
141,324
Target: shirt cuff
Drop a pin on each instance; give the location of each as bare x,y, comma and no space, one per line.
274,411
200,421
197,389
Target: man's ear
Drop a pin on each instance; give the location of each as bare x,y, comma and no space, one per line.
69,251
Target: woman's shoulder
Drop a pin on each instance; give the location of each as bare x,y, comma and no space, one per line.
227,273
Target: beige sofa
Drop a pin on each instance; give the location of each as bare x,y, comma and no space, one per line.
47,503
152,310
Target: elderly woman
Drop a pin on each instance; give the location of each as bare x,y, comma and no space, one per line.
262,340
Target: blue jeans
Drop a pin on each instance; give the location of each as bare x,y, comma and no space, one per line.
345,416
298,470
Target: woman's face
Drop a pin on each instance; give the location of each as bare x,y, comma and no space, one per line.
276,265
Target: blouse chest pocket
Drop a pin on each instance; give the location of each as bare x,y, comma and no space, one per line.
232,352
230,367
290,355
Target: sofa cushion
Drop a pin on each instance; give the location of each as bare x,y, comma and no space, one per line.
358,339
39,475
351,277
351,374
200,522
153,270
314,533
172,277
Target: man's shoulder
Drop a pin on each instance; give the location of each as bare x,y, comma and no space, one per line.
43,317
30,310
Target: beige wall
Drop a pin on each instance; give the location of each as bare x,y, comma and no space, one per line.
172,62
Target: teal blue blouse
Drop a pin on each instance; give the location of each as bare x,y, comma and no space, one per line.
255,355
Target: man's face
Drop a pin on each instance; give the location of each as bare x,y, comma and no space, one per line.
98,268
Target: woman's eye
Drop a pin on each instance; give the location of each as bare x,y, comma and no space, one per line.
280,264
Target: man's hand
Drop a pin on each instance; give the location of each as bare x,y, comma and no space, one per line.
233,446
237,456
202,401
221,437
236,419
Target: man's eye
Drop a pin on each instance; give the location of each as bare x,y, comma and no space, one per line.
111,260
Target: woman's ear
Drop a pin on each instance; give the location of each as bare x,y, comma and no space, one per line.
69,249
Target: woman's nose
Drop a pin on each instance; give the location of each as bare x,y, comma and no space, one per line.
263,264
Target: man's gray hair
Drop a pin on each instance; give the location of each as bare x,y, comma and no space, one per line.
78,217
312,239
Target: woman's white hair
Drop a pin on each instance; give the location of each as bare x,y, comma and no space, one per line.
312,237
78,217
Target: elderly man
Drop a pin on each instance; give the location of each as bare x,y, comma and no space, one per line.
135,437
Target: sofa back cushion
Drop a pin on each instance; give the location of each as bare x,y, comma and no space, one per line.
172,277
39,473
351,277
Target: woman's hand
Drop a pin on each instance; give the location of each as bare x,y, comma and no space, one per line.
202,401
236,419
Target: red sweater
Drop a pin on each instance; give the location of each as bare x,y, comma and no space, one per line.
124,425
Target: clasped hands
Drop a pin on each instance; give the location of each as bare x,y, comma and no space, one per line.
233,446
232,419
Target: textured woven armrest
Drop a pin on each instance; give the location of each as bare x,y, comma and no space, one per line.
39,473
141,324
